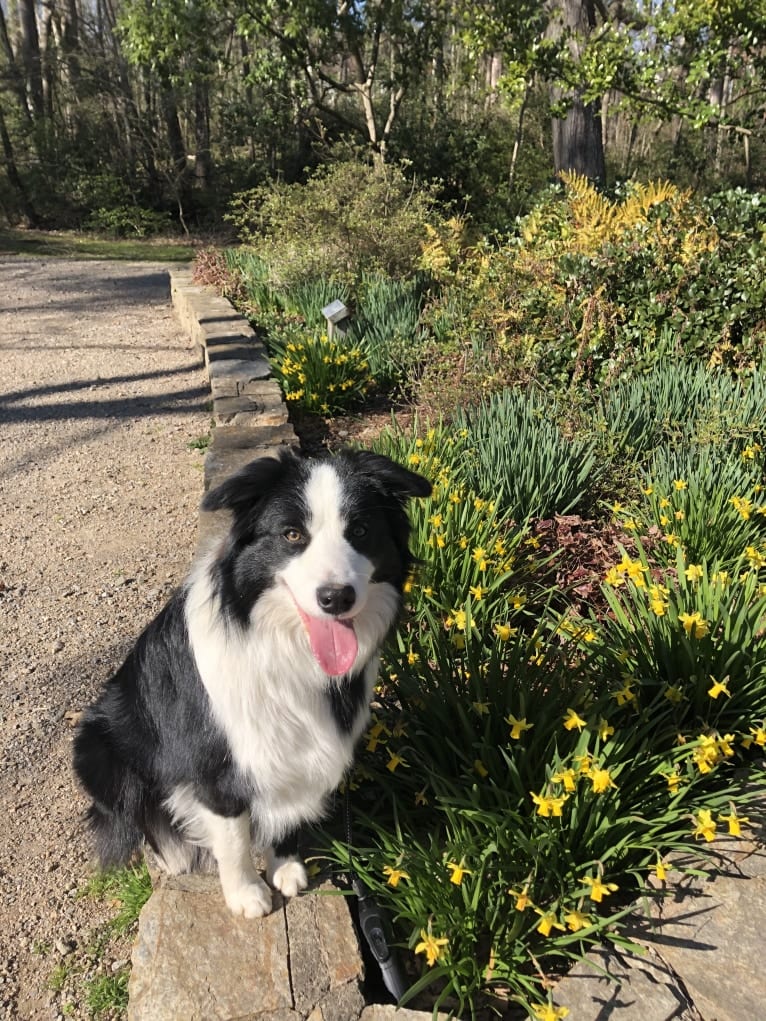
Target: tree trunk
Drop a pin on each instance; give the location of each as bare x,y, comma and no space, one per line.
202,158
29,49
13,175
578,142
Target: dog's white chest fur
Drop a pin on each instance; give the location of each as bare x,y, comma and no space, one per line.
268,696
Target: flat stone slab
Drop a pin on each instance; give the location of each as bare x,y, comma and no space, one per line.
237,437
194,960
231,377
614,983
711,933
220,464
325,960
263,405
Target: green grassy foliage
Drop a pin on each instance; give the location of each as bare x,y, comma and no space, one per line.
533,761
67,245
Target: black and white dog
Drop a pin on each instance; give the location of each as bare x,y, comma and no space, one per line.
236,714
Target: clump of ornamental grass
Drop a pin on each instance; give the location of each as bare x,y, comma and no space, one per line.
690,634
707,501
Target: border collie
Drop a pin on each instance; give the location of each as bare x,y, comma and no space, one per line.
235,715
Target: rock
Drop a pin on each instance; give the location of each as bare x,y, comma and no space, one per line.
614,982
325,960
194,960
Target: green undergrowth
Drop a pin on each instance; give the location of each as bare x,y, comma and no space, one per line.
85,981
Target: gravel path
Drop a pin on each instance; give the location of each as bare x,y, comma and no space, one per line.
100,396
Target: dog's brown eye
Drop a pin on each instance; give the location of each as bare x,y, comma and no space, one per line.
359,531
293,535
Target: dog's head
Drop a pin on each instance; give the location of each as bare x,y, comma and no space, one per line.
330,535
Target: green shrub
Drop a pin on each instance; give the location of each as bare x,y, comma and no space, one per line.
594,289
348,219
128,221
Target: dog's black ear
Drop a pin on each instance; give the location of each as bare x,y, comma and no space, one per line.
247,486
395,477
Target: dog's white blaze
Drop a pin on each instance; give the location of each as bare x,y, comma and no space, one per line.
329,558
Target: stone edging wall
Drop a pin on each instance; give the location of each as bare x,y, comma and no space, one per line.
248,411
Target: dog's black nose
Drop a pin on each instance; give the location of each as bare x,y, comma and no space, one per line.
336,599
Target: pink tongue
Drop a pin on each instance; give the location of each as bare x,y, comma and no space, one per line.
333,643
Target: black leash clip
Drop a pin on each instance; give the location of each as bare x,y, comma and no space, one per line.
373,925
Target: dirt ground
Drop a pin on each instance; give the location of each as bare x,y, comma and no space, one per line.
100,398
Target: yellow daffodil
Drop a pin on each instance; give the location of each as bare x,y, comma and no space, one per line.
757,737
694,624
614,577
480,708
601,780
522,899
605,729
719,688
432,946
566,777
477,592
572,720
598,889
625,694
394,875
504,631
548,921
457,872
743,506
549,1012
705,826
518,727
547,806
735,822
694,573
673,694
658,607
395,761
660,870
576,920
673,780
680,484
480,768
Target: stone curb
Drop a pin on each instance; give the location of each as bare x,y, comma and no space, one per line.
192,959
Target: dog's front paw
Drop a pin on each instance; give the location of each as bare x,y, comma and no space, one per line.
249,899
288,875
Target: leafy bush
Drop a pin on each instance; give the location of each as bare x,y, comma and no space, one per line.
348,219
128,221
594,289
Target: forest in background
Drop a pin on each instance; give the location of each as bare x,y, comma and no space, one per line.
138,117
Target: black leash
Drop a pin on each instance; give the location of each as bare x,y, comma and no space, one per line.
372,919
